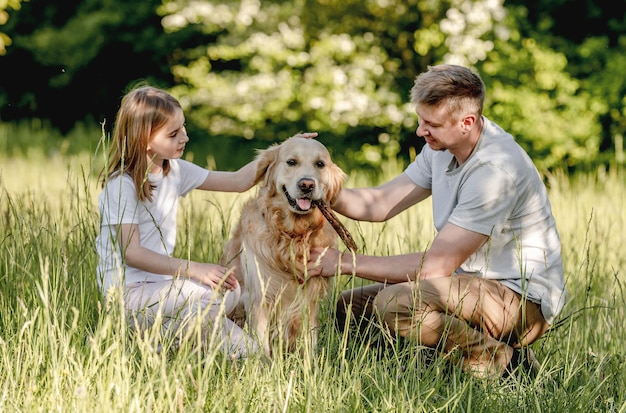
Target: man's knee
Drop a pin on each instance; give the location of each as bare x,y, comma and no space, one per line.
394,305
384,306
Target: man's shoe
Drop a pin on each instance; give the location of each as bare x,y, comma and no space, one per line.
523,361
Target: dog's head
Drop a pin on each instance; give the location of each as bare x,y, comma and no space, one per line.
300,170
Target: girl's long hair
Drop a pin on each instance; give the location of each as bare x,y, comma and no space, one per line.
144,110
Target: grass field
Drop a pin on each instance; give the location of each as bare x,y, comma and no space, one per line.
61,352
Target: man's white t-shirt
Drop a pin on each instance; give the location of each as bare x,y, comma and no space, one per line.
498,192
118,204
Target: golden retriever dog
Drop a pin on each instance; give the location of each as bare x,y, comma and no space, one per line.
270,243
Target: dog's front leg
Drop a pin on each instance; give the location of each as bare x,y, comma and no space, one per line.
259,323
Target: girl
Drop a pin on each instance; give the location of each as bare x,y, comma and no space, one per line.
138,209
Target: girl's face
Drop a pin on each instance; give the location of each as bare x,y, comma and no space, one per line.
168,142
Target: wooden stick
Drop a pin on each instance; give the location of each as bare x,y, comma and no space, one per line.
341,230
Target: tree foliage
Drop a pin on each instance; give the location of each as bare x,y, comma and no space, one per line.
345,70
258,71
533,96
73,60
6,5
591,35
342,68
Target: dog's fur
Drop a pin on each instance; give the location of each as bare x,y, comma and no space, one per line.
271,242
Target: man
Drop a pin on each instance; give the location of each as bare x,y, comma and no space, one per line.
492,281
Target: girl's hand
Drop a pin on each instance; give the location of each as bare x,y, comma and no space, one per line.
213,275
308,135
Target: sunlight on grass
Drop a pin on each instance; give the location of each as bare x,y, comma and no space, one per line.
61,350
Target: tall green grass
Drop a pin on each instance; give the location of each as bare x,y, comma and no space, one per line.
62,350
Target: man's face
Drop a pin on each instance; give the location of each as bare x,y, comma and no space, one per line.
438,128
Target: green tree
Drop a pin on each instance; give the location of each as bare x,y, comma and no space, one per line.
259,71
532,95
4,17
343,68
72,60
591,35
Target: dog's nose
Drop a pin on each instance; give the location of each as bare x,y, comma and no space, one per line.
306,185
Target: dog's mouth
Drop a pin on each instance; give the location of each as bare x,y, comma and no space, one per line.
302,204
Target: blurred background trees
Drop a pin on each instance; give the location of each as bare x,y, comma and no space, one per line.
251,72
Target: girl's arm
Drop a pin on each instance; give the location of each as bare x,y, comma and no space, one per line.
213,275
224,181
240,180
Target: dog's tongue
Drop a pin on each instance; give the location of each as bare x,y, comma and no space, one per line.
304,204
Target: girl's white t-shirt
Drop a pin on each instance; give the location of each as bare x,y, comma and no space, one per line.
498,192
118,204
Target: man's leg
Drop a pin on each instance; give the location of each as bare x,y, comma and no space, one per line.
355,306
480,317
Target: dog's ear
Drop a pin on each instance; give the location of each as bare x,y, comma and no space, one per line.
335,184
267,159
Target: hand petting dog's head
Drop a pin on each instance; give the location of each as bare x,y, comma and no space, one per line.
301,170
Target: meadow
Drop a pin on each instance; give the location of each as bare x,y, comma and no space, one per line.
63,350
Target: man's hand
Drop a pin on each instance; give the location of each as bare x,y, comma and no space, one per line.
325,262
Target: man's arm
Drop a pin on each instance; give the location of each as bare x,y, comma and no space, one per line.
382,202
450,248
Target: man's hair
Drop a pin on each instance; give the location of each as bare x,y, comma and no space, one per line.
143,112
457,87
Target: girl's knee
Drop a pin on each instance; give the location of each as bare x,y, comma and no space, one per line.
231,299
